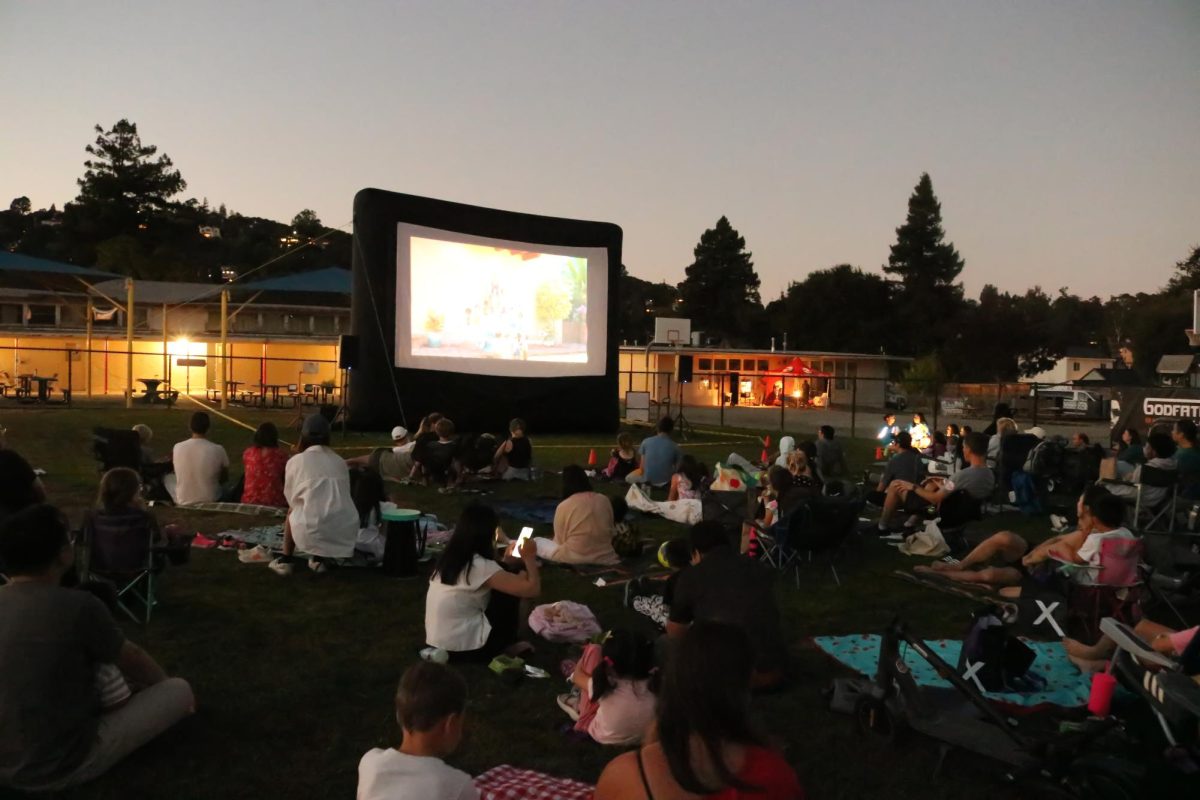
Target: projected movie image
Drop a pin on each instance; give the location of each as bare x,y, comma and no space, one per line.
483,302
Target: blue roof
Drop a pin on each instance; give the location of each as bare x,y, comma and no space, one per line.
331,280
19,262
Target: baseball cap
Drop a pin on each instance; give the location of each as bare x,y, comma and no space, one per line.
399,432
1037,431
315,426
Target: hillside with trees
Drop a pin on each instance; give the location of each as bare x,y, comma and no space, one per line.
129,219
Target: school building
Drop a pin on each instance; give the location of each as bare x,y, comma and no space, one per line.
70,323
743,377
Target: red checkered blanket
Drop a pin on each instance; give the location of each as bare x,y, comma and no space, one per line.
507,782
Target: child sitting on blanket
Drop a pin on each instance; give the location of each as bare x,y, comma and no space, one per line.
687,480
430,704
623,459
369,493
675,555
514,457
614,700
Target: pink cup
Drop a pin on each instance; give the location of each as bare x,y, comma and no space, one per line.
1100,700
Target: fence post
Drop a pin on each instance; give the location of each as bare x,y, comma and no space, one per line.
88,381
129,343
782,398
853,404
1033,401
721,396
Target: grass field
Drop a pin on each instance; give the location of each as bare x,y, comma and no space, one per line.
294,677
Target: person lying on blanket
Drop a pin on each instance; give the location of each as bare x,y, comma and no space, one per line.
974,478
1094,658
1101,516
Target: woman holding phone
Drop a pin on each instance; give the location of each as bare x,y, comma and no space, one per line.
473,603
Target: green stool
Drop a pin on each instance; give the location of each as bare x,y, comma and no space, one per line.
401,551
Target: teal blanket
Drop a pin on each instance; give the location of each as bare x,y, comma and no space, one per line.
1065,685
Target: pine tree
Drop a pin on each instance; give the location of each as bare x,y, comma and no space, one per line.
926,266
124,181
720,292
920,256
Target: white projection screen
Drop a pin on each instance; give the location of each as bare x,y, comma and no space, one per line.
471,304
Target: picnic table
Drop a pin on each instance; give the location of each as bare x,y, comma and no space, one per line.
507,782
323,392
151,384
43,387
273,389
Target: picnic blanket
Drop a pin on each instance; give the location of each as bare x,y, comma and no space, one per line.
1065,685
689,512
237,508
507,782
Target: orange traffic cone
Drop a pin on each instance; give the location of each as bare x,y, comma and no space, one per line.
763,457
767,441
592,457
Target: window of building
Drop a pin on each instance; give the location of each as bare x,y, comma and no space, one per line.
11,314
735,363
763,365
720,365
1075,366
41,315
705,364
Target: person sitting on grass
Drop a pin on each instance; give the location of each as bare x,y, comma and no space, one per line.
1101,516
1094,658
322,520
613,696
623,458
369,493
705,744
264,463
890,430
514,458
437,459
659,456
1079,441
472,606
20,486
904,465
975,479
831,458
583,524
144,436
687,481
431,705
56,646
676,555
1005,426
393,463
201,466
723,585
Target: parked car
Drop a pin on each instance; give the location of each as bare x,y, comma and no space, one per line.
894,399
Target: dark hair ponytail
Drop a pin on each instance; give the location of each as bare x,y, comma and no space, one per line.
627,655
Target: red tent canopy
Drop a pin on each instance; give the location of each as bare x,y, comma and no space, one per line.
797,368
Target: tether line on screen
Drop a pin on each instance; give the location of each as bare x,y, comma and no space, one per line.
382,336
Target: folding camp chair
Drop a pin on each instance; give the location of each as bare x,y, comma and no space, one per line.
1116,593
1168,685
776,546
1163,512
119,548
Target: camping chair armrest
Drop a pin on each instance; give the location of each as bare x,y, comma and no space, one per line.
1181,690
1130,642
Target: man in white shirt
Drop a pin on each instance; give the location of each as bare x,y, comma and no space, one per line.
430,702
200,466
322,520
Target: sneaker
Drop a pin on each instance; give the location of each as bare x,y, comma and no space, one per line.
318,567
435,654
570,704
280,567
259,554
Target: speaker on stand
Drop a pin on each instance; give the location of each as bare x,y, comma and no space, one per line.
347,360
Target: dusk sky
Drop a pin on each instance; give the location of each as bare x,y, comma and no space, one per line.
1063,138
